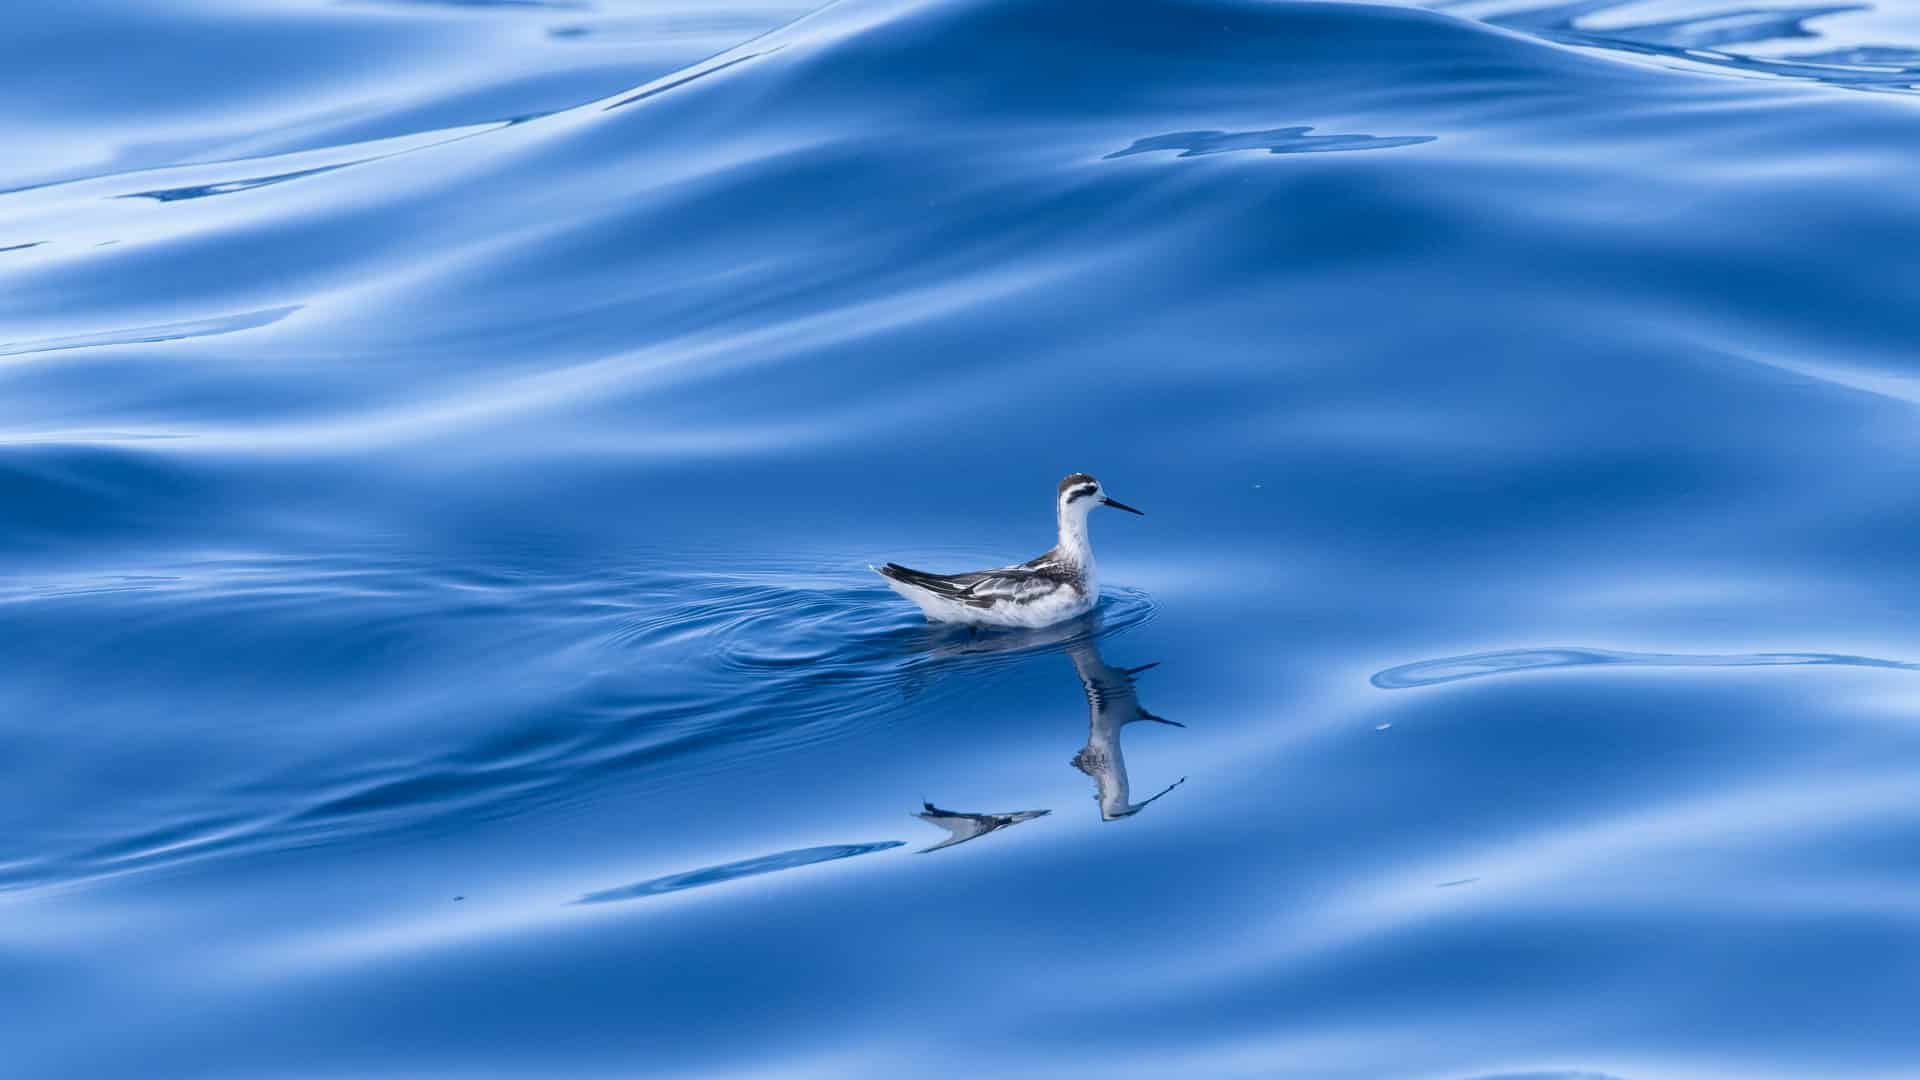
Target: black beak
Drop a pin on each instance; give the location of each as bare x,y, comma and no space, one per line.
1122,506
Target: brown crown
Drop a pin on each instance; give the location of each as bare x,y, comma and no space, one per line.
1075,480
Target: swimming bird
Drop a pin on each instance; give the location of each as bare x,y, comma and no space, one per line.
1051,588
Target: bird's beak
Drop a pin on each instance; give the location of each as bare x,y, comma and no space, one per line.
1122,506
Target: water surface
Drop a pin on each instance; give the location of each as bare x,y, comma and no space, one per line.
442,445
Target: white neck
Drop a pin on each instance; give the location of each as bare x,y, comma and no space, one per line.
1073,534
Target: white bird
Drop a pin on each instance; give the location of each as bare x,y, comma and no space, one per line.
1054,587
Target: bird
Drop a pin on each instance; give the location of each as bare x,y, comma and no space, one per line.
1051,588
964,826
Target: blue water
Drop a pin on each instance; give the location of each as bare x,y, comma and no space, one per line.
441,445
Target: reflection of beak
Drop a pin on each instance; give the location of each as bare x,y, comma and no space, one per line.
1122,506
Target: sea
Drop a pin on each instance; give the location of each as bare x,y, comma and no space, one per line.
443,444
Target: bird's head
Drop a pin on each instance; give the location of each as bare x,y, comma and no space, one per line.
1080,493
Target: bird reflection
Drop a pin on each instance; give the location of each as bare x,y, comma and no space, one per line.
965,827
1112,704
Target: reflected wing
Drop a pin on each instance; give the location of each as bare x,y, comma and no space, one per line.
964,827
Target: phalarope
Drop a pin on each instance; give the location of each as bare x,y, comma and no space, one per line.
1052,588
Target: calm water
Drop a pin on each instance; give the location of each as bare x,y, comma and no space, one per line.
441,444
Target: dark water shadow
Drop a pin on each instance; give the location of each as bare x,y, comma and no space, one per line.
1287,140
677,81
1509,661
455,134
649,29
734,871
141,335
1551,1075
228,187
535,5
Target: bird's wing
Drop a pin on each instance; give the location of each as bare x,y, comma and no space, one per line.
1015,584
983,588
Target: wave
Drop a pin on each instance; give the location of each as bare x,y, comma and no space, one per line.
1711,40
756,661
1512,661
1037,126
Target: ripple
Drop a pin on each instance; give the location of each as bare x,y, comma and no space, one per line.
657,673
774,622
1549,1075
649,28
1287,140
550,5
661,86
1708,39
733,871
1509,661
141,335
228,187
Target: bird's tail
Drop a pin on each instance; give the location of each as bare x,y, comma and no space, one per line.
933,583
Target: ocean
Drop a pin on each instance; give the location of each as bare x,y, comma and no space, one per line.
442,445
